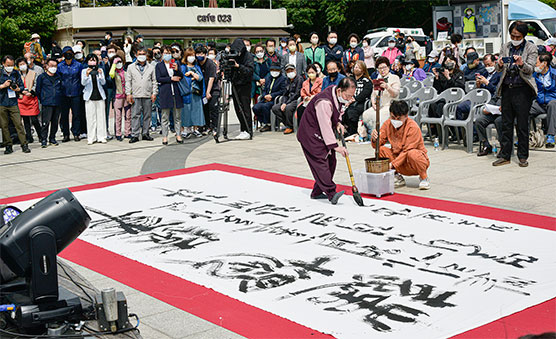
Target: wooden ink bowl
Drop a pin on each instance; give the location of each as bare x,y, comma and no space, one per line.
377,166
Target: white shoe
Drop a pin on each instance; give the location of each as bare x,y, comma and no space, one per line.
399,181
90,142
103,141
243,136
424,184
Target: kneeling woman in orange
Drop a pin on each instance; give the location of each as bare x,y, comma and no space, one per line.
408,155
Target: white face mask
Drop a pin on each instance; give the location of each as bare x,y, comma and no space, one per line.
342,100
315,41
333,41
538,70
191,59
396,123
141,58
408,67
283,44
353,44
274,74
291,75
391,44
364,44
111,55
259,55
79,56
227,50
9,69
490,69
23,68
516,42
119,65
431,60
211,56
52,70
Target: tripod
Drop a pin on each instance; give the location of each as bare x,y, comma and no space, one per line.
224,109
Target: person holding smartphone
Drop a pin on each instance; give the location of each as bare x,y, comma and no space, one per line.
517,89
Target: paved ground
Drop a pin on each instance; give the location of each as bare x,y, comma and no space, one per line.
455,175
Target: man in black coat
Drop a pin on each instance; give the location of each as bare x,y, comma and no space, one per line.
241,78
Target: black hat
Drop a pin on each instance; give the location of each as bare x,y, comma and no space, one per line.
275,66
472,57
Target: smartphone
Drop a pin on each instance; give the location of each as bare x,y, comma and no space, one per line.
172,63
507,60
477,75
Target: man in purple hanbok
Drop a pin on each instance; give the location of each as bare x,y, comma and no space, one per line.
316,135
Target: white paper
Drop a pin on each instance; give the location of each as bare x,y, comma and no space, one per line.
493,109
385,270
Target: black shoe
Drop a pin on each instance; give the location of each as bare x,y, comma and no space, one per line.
485,150
54,142
25,148
147,137
501,162
133,140
128,136
66,138
165,143
119,138
320,196
76,138
9,150
336,197
523,163
179,141
44,144
266,128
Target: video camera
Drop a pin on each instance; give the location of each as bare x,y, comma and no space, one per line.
227,61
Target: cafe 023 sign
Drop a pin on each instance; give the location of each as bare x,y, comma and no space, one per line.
211,18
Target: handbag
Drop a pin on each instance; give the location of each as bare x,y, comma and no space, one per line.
184,87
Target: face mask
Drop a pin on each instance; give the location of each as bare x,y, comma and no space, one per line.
211,56
450,65
227,50
270,50
23,68
332,74
290,75
391,44
538,70
107,37
79,56
516,42
259,55
408,67
52,70
364,44
292,48
490,69
176,55
298,40
9,69
471,65
119,65
29,62
283,44
311,76
141,58
68,56
315,41
111,55
431,60
166,57
333,41
248,47
353,44
469,13
200,58
191,59
342,100
274,74
396,123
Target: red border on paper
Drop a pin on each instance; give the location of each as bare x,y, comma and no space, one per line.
253,322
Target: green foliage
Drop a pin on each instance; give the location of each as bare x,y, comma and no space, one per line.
550,3
21,18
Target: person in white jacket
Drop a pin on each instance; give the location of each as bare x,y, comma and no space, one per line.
92,79
141,90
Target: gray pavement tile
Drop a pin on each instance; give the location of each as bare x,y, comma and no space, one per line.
177,324
148,332
144,305
219,332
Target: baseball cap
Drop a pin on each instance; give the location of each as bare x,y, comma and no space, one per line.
472,56
289,66
275,66
35,36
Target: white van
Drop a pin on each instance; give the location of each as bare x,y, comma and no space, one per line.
379,37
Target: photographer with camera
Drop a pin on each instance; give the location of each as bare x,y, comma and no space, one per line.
240,64
517,89
28,102
10,87
92,80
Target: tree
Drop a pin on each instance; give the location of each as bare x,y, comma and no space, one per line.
21,18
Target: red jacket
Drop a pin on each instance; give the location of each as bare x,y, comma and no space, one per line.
306,92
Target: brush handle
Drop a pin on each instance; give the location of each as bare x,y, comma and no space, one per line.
348,161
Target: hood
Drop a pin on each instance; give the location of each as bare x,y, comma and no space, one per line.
239,46
469,9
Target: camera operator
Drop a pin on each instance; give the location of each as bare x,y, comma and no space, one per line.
241,76
10,87
212,86
517,89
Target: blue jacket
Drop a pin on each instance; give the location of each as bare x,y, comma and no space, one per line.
190,80
71,77
49,89
326,81
278,87
546,94
469,74
492,83
15,77
429,66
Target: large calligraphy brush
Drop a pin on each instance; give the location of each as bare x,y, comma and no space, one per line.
356,194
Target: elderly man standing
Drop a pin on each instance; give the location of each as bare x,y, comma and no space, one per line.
141,90
316,135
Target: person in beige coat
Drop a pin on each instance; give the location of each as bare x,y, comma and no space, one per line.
517,88
391,91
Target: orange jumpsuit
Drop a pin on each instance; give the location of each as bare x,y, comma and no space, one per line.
408,154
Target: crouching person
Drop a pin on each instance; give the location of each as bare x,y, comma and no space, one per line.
408,155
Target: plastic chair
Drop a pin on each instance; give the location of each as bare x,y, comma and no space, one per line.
273,117
478,98
428,82
451,95
414,86
295,124
404,93
417,99
470,85
404,81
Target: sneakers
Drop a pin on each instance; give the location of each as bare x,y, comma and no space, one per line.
424,184
25,148
500,162
146,137
265,128
550,141
336,197
243,136
133,140
119,138
53,142
197,134
288,131
399,181
44,144
102,141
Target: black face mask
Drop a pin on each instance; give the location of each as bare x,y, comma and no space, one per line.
68,56
157,56
333,74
